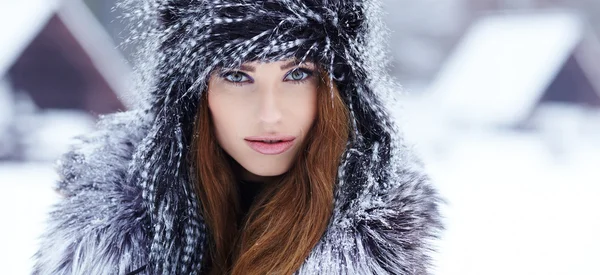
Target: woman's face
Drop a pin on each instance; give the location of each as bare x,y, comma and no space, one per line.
258,101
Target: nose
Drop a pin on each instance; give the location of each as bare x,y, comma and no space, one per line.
270,105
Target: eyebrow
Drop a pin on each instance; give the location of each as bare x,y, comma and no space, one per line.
287,65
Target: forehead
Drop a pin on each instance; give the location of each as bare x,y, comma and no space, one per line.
252,66
280,62
286,63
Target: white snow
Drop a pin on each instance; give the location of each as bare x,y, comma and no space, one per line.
519,201
513,209
25,197
6,115
26,188
49,133
503,65
20,21
100,48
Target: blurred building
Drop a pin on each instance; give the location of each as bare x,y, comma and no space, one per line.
509,64
424,33
62,57
58,60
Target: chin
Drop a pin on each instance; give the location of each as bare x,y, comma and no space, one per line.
267,169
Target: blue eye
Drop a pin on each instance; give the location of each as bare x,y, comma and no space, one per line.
298,74
235,77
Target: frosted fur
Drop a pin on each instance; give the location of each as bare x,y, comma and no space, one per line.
97,227
129,204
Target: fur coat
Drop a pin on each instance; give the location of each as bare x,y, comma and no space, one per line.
128,206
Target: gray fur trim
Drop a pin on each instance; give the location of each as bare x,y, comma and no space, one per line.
100,225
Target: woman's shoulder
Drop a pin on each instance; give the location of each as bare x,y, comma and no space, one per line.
385,222
99,159
99,224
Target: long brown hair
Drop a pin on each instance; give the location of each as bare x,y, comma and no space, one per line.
287,219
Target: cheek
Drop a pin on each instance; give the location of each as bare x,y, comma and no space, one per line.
305,109
223,119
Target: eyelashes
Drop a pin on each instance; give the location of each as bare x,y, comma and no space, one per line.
235,77
296,76
305,75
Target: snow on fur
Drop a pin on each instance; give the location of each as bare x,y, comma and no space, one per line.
129,202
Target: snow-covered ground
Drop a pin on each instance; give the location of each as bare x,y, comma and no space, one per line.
26,187
515,209
25,197
520,201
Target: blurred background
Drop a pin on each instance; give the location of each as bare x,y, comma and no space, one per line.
501,99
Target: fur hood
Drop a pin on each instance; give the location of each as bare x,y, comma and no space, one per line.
128,205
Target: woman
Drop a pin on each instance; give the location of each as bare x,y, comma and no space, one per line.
263,146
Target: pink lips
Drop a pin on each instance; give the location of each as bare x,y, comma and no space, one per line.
258,144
